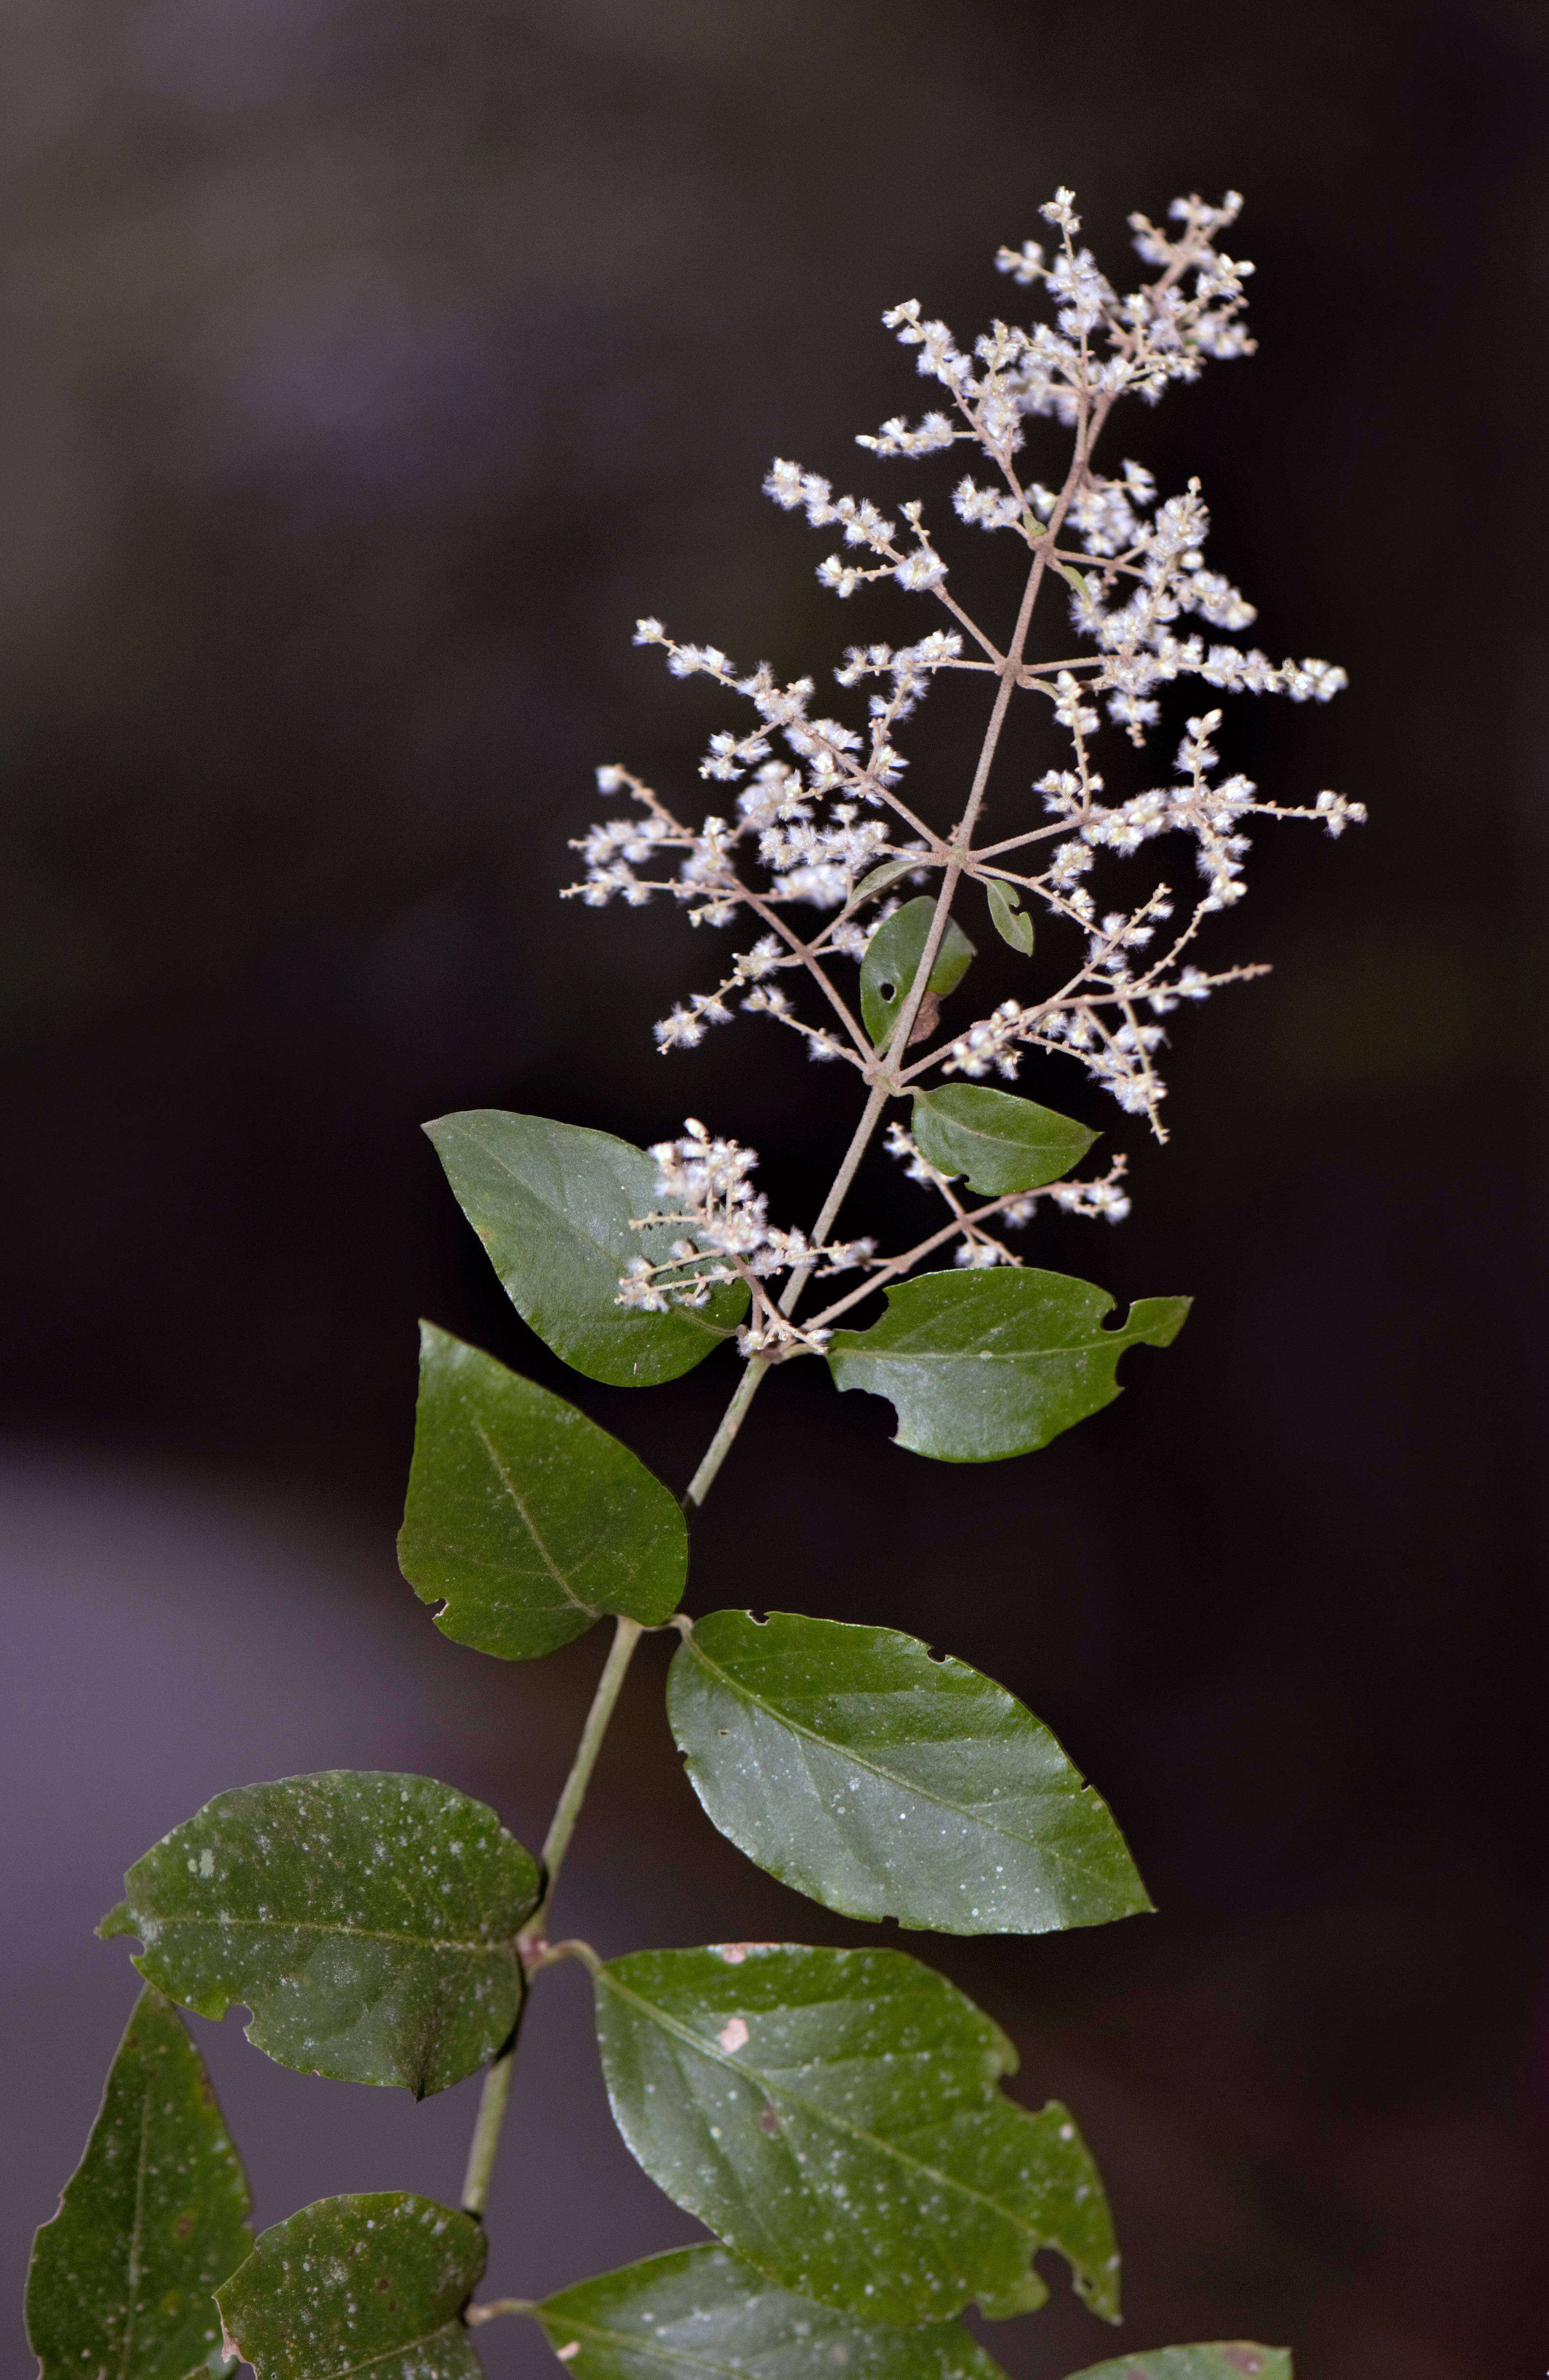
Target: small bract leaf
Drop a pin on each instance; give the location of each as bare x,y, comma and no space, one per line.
978,1366
888,873
1001,1143
893,958
375,2283
835,2116
884,1783
1238,2358
1008,916
366,1919
552,1204
524,1516
122,2279
703,2310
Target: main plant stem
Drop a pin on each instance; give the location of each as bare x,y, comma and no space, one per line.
562,1826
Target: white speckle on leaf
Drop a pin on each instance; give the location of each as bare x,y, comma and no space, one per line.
733,2035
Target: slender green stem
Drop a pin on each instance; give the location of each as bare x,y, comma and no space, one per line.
488,2126
731,1422
562,1826
492,2308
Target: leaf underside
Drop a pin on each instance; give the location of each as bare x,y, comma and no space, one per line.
834,2117
154,2216
1237,2359
366,1919
528,1520
1001,1143
375,2282
893,958
884,1783
552,1204
980,1366
702,2310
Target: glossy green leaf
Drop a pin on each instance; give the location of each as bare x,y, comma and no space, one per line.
1001,1143
892,959
834,2116
527,1518
552,1204
978,1366
369,2284
364,1918
154,2216
1008,916
884,1783
1237,2359
702,2310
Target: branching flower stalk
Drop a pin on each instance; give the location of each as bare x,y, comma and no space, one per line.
801,823
833,2117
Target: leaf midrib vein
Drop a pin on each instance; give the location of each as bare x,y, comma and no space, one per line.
905,1785
423,2339
836,2123
326,1926
547,1559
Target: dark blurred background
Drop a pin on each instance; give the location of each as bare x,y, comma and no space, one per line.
367,368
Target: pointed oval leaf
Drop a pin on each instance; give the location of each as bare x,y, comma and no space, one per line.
1002,1144
1008,916
123,2279
1237,2359
528,1520
373,2283
978,1366
703,2310
364,1918
834,2116
884,1783
552,1204
893,958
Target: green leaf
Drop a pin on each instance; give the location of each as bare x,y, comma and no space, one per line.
1002,1144
884,1783
1236,2359
888,873
702,2310
364,1918
1008,916
526,1517
978,1366
375,2283
122,2279
834,2116
552,1204
893,958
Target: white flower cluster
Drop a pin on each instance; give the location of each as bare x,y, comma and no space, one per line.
727,1233
815,819
978,1246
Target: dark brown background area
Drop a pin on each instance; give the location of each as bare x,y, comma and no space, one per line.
367,368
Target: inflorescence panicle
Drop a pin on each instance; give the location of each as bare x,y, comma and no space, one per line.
817,841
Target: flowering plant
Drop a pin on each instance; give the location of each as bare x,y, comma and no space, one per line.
834,2117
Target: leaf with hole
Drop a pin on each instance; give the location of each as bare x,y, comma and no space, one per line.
552,1204
979,1366
1008,916
523,1519
375,2282
884,1783
364,1918
835,2116
122,2279
1237,2359
892,959
700,2310
1001,1143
